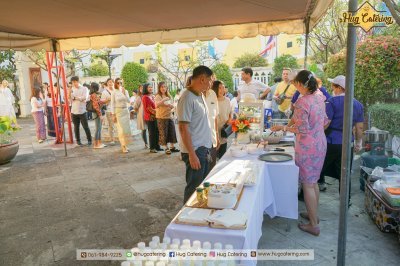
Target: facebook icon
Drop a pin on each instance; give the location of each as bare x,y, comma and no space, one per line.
172,254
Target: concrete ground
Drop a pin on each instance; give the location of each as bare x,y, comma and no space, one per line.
51,205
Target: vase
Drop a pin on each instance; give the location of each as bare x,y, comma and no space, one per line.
243,138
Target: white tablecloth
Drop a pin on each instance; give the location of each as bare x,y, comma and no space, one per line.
274,194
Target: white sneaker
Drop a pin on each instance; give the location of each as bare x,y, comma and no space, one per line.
112,143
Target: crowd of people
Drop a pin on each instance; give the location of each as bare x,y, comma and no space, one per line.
203,111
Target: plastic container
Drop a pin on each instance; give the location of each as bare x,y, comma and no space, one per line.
391,195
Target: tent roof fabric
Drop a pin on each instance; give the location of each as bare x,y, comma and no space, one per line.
83,24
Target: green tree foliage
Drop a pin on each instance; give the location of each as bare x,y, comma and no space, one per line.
96,70
250,60
223,73
284,61
383,115
377,69
133,75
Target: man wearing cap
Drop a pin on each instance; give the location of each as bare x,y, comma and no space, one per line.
334,129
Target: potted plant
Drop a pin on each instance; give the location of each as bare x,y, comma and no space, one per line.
8,145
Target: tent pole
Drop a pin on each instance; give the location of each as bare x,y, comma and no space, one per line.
307,24
55,50
347,136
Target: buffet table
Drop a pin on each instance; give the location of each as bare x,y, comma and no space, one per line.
275,194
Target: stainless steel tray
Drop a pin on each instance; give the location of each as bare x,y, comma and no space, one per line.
275,157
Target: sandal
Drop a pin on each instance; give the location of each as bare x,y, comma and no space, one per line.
305,215
168,151
174,150
315,231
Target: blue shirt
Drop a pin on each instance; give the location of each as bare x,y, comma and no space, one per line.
335,113
322,89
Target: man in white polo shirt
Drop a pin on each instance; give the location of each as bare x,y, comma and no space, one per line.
252,86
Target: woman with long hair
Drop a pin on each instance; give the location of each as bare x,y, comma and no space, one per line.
38,106
149,110
309,121
138,107
224,115
97,115
119,110
165,123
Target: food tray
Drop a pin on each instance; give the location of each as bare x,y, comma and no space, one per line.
275,157
176,221
193,203
220,226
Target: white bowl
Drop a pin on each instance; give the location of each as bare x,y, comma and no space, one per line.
253,149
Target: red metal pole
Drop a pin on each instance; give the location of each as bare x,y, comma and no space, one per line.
67,112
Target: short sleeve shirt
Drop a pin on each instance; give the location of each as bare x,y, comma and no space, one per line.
106,95
289,93
254,87
192,109
213,111
335,113
147,101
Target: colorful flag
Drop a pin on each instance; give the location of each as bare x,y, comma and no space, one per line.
270,44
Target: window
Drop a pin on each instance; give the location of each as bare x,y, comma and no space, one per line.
289,44
187,58
141,61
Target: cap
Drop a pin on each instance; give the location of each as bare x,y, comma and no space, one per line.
339,80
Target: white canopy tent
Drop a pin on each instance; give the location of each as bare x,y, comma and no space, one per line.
62,25
97,24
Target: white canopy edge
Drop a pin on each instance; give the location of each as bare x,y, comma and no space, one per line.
223,32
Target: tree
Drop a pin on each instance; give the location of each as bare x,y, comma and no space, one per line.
284,61
376,71
133,75
329,35
394,9
223,73
96,70
8,69
250,60
180,67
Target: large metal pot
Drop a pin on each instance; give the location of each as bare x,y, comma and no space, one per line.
376,136
8,152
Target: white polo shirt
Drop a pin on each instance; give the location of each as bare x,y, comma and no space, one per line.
212,106
254,87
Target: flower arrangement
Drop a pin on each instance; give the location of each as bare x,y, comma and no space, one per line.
241,124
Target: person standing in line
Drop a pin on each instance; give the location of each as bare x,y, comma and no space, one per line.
97,115
234,102
7,101
165,122
224,116
38,106
274,105
88,113
120,114
106,99
255,87
51,131
138,107
79,96
309,121
212,107
284,93
149,111
195,129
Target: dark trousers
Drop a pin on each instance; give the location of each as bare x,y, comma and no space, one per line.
222,150
153,134
144,136
195,177
333,163
81,119
213,162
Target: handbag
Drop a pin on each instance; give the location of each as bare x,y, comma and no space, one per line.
281,98
226,131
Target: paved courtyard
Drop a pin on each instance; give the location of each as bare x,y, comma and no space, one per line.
50,205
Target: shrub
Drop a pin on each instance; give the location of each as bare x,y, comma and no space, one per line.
282,62
376,71
133,75
97,70
250,60
223,73
384,115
